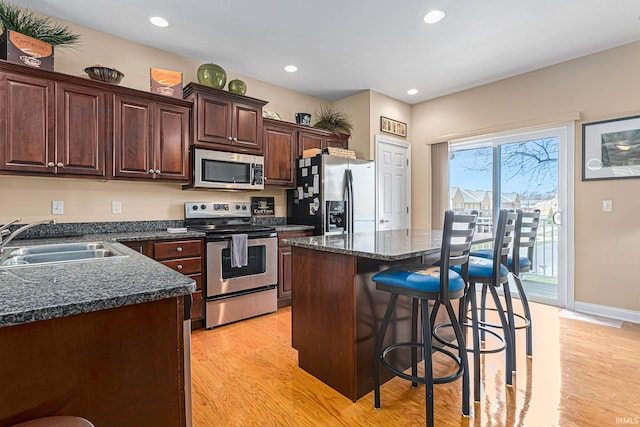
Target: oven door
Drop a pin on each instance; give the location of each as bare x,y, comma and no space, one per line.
261,269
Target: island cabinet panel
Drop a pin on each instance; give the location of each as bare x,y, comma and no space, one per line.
225,121
151,140
118,367
335,316
284,265
81,130
279,153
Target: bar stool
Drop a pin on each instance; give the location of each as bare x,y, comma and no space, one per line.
527,224
58,421
425,283
491,274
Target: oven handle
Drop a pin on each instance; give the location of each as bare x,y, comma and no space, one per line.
252,236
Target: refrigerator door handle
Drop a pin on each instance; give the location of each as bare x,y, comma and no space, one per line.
349,207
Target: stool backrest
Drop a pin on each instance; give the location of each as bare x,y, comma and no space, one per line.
503,238
525,237
457,234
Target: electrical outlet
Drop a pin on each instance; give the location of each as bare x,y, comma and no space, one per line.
116,207
57,207
607,206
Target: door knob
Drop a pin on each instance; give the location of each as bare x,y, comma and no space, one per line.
179,267
158,171
151,171
382,220
60,165
179,249
229,138
51,164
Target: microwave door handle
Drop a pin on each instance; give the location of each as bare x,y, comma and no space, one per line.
252,174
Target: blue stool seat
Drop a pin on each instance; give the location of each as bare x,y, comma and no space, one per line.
488,253
482,268
418,279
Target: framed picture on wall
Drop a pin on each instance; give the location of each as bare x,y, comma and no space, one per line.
611,149
394,127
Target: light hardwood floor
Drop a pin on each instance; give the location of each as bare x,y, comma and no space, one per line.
581,374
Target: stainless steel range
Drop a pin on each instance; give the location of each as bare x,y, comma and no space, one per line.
241,280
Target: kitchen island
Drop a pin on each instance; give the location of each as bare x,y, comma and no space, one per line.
105,339
336,309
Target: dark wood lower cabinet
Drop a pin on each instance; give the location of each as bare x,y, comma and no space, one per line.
123,366
184,256
284,265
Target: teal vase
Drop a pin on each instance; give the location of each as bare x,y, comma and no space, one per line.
212,75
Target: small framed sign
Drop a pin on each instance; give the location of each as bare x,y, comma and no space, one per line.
393,126
262,206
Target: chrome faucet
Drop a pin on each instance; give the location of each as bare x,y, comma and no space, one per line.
20,230
4,229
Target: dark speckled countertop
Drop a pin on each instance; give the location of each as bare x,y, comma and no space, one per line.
29,294
391,245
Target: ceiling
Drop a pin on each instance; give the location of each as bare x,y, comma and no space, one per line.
344,46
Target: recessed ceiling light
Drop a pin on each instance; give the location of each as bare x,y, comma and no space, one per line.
158,21
291,68
433,16
412,91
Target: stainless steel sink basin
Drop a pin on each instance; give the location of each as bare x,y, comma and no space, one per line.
64,252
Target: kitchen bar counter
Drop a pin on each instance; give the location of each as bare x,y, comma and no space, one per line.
337,310
33,293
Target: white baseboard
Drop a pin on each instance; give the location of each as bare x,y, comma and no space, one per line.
606,311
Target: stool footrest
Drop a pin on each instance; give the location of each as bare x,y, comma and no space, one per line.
417,379
444,342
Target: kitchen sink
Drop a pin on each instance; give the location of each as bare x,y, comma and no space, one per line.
59,253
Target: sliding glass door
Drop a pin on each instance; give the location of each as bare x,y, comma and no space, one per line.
518,171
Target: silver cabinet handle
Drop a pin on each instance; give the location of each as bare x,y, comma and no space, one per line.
60,165
229,138
179,267
235,139
51,164
158,171
179,249
151,171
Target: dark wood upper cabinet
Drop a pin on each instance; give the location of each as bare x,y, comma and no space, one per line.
151,139
225,121
320,138
27,140
280,149
81,126
51,127
57,124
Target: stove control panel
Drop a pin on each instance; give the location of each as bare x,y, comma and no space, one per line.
217,209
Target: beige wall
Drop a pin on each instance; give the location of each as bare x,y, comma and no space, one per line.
90,200
600,86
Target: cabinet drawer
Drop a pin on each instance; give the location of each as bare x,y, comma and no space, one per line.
198,279
197,305
181,249
185,265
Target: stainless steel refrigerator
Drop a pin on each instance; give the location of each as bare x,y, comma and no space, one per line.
334,194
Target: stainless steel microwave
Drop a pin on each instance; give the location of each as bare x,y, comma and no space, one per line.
226,171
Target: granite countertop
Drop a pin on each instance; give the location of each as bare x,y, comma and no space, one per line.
29,294
293,227
391,245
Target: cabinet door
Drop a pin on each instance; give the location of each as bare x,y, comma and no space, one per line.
171,129
26,124
284,273
338,141
247,128
279,155
132,138
213,123
307,140
80,130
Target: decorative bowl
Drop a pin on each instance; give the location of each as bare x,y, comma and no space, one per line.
104,74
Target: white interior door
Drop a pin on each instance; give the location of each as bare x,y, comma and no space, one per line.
393,183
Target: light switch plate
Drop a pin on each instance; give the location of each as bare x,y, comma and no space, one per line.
57,207
607,206
116,207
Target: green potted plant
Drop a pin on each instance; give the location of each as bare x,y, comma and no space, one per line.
39,27
28,38
334,120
